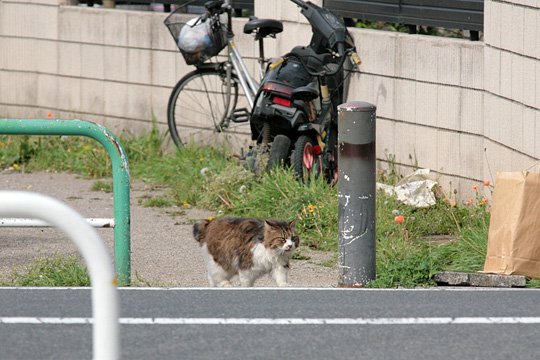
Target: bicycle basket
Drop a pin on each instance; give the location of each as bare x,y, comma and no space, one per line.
196,39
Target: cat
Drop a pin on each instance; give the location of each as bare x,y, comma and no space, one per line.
247,247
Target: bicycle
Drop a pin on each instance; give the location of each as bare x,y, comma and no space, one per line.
216,97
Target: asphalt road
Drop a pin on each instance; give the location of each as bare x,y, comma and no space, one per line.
192,323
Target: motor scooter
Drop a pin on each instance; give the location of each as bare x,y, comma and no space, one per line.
295,109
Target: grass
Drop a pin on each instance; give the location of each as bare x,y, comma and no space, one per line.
54,271
212,178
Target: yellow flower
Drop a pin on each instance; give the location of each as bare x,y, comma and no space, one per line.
15,165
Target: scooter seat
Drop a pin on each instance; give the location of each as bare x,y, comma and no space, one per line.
263,27
306,93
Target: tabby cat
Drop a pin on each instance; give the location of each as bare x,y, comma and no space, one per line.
249,248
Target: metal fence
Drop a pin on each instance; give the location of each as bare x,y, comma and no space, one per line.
451,14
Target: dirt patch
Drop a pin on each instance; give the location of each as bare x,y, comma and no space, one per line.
163,251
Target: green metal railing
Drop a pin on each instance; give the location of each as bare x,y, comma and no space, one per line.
120,169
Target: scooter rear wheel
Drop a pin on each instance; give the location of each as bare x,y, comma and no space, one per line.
279,151
304,162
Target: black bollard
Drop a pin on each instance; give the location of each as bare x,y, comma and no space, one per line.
356,194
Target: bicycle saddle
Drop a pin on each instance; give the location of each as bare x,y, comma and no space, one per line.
263,27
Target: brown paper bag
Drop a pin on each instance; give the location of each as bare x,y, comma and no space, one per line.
514,230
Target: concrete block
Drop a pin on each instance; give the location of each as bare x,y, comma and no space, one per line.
530,95
163,68
92,99
92,61
19,54
505,121
537,82
471,154
405,100
378,53
115,27
140,30
92,26
115,63
69,94
517,78
479,279
385,137
27,20
139,66
69,23
506,75
362,89
425,146
491,117
531,37
472,66
160,97
405,143
139,103
472,111
47,91
529,131
537,36
492,65
448,152
383,89
406,56
46,56
26,85
161,37
426,103
517,126
427,59
115,96
449,107
492,35
537,133
449,61
69,59
507,26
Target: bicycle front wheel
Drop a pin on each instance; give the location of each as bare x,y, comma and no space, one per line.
199,108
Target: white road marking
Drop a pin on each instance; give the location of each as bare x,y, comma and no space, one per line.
279,321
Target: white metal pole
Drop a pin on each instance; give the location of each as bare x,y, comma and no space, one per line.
19,204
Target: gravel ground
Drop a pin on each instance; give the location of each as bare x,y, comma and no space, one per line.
163,251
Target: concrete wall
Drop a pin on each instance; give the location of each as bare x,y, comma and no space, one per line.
463,109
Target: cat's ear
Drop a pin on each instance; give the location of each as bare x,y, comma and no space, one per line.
270,223
292,224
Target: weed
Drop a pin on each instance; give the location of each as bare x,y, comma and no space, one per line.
100,185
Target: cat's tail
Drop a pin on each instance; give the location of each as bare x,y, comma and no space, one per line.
199,229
